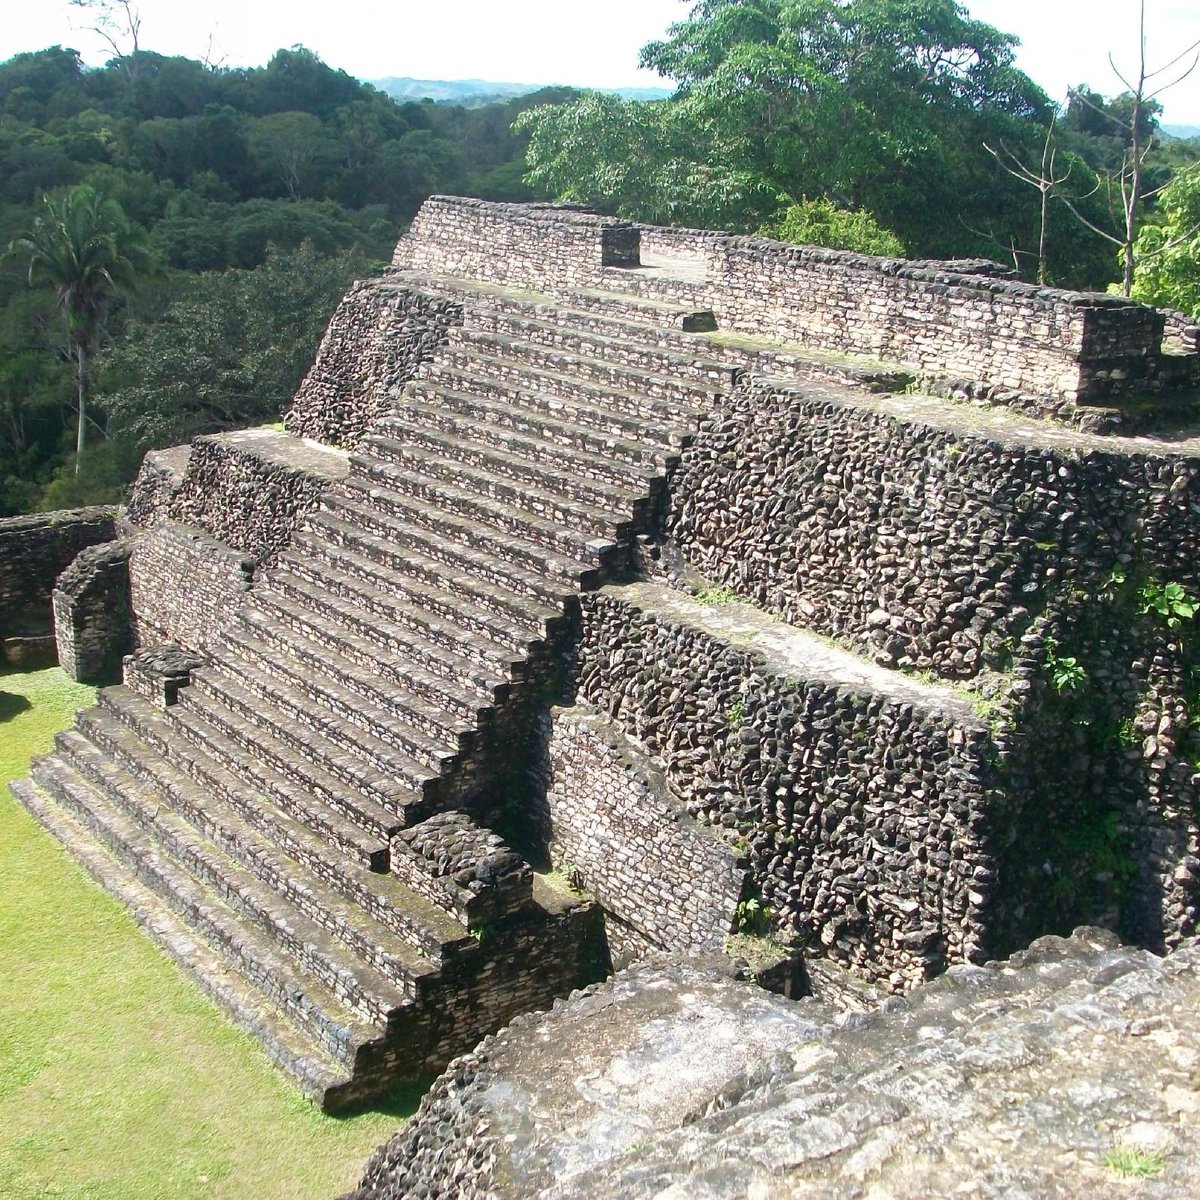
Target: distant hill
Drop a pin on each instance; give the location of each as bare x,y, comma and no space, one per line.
1182,131
473,92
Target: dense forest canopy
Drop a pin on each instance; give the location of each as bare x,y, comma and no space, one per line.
907,111
261,193
249,198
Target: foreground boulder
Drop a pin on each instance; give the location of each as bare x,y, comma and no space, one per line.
1071,1069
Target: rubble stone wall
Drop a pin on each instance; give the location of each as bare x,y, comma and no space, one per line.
249,495
376,340
957,319
93,617
967,554
862,814
34,552
929,548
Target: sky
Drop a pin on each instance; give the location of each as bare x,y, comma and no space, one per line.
588,44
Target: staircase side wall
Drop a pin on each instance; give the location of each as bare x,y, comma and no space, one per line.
615,823
185,585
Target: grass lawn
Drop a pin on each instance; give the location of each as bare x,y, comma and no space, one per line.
119,1079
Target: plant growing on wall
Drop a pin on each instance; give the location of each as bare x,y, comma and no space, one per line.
1168,601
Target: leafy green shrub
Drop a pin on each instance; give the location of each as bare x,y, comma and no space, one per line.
822,223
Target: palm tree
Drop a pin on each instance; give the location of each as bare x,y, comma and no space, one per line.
91,253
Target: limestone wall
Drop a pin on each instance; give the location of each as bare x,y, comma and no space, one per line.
1029,565
959,319
862,813
930,545
1011,334
520,245
158,481
34,551
376,340
93,618
185,585
251,489
614,821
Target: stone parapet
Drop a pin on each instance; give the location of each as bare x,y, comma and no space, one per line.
519,245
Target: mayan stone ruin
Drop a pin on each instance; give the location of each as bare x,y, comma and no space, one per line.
622,598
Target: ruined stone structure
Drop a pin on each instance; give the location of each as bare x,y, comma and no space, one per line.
720,575
34,552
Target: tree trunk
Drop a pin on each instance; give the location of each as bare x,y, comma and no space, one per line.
81,380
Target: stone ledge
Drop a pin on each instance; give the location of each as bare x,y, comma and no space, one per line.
791,651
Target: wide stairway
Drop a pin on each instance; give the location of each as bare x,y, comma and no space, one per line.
305,826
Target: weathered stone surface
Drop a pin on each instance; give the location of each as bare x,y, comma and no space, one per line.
157,484
1019,1078
859,796
378,338
93,613
251,489
614,822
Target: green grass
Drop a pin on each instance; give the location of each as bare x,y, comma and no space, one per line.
118,1077
1135,1163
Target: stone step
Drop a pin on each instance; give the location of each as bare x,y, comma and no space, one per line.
642,326
672,409
635,308
405,629
535,435
252,752
544,466
252,829
545,518
376,709
505,560
513,567
315,1072
454,690
343,756
467,869
623,417
339,944
476,605
456,622
607,361
202,751
306,1001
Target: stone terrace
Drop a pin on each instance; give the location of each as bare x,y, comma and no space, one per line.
331,814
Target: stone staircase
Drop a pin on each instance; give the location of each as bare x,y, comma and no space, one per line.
300,827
